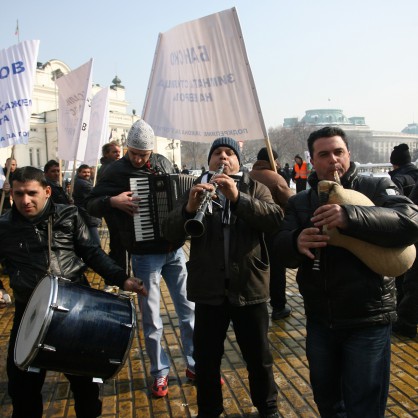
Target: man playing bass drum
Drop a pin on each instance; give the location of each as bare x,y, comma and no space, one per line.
24,246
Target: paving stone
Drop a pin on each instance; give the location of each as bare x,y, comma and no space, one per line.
128,394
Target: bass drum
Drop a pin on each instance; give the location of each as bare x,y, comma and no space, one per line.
74,329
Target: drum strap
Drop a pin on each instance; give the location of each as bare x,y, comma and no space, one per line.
48,269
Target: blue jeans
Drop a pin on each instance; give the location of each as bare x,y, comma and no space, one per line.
172,267
349,369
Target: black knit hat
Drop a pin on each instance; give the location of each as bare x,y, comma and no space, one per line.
263,154
400,155
225,142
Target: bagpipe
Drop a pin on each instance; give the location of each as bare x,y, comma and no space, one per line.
386,261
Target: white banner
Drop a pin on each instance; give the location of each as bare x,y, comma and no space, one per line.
17,73
99,127
74,112
201,86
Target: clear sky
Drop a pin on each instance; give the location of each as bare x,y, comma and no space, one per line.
356,55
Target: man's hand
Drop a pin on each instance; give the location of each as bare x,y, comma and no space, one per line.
227,186
5,299
333,216
196,195
311,238
133,284
6,186
125,202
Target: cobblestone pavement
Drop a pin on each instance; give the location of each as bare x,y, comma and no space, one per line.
127,395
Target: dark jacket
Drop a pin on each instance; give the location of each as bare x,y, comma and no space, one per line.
116,180
6,202
82,189
24,246
346,293
252,215
405,177
58,193
105,163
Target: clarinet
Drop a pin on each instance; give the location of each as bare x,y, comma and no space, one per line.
323,196
195,227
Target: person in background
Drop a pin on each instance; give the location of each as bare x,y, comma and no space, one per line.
176,169
404,173
405,176
82,188
300,173
153,259
52,174
287,173
185,170
7,202
349,308
110,153
228,277
280,191
72,250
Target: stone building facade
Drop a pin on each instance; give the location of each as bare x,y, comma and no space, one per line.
43,138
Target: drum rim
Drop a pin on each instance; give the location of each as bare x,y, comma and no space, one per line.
25,364
131,338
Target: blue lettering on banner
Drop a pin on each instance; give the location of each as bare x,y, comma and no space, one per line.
4,119
215,81
14,135
192,55
16,68
229,132
14,104
193,97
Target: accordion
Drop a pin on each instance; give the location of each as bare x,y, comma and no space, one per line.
158,196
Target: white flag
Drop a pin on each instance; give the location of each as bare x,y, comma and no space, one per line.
99,126
74,112
201,86
17,73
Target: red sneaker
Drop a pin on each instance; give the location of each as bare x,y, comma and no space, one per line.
160,386
192,376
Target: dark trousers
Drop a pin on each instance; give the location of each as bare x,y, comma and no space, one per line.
277,277
300,184
349,370
250,325
25,387
117,249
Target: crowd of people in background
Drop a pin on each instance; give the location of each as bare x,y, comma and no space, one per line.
258,223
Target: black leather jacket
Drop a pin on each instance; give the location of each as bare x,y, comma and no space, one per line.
346,293
82,189
24,246
405,178
116,180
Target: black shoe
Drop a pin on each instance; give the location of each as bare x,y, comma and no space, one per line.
281,313
400,328
270,415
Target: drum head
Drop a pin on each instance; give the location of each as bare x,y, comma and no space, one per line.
35,321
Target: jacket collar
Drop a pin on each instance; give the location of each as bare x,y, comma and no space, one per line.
346,180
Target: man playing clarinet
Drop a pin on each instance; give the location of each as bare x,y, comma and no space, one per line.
349,307
228,276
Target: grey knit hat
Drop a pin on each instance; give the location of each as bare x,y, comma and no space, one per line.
225,142
141,136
